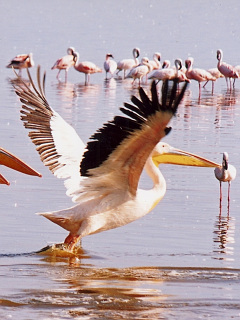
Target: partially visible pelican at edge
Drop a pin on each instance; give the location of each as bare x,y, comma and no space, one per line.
225,173
102,177
11,161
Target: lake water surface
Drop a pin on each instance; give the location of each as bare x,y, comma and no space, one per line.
182,260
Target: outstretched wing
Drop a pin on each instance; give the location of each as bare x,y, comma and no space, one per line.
117,153
59,146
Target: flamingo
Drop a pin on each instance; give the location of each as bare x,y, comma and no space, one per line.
225,173
226,69
167,73
140,71
11,161
109,64
216,74
86,67
197,73
65,63
21,61
155,63
102,177
127,64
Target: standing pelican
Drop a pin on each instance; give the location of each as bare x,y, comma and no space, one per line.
225,173
102,178
197,74
65,63
21,61
11,161
86,67
140,71
127,64
110,65
226,69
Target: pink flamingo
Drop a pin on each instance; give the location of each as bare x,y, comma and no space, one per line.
140,71
86,67
216,74
127,64
155,63
109,64
167,73
197,73
21,61
226,69
65,63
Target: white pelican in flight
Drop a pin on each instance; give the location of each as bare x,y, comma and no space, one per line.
225,173
11,161
102,177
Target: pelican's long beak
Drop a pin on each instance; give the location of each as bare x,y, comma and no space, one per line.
3,180
179,157
9,160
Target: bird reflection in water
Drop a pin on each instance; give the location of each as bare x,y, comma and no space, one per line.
224,231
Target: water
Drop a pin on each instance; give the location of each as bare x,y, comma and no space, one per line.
182,260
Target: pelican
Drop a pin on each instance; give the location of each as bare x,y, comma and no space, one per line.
197,73
109,64
21,61
225,173
11,161
127,64
102,177
65,63
86,67
226,69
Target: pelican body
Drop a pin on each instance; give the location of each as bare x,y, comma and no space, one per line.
65,63
11,161
225,173
102,177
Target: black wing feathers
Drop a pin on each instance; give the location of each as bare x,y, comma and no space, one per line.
111,135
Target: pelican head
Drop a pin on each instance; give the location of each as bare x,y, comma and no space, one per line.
164,153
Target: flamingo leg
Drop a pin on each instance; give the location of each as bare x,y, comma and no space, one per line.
57,76
205,84
220,191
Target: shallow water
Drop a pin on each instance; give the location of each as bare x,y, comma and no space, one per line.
182,260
